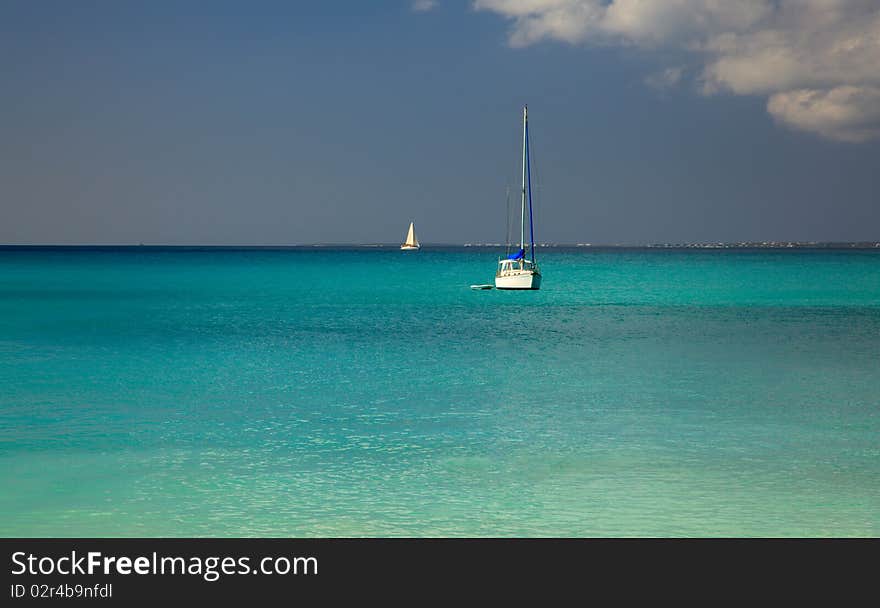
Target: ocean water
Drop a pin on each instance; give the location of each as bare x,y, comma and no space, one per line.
322,392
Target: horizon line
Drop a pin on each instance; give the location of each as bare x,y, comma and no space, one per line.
684,244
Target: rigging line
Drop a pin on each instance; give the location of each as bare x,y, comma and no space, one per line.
529,174
516,140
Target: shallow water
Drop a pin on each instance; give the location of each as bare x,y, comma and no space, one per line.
323,392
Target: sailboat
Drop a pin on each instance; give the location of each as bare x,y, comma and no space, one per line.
412,243
520,270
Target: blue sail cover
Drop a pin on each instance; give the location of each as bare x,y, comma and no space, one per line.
517,256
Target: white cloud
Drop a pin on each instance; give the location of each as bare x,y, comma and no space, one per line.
846,113
817,61
423,6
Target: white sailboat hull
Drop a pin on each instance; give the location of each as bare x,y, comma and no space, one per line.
409,247
519,279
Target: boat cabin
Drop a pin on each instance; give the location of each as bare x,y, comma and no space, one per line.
508,266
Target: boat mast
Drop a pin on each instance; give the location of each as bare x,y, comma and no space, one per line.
522,225
507,225
529,182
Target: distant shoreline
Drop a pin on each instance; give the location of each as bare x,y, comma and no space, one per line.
396,246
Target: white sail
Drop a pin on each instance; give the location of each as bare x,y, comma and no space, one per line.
411,241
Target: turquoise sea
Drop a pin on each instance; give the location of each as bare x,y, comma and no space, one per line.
369,392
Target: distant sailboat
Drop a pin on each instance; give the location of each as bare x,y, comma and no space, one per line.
517,271
412,243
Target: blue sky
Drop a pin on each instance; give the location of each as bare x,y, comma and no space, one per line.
334,121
